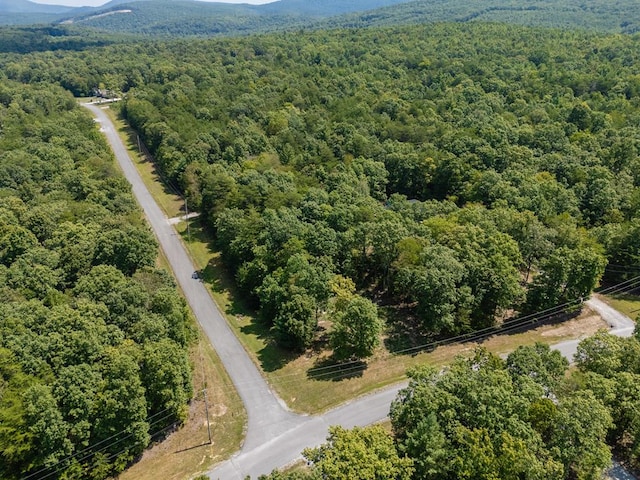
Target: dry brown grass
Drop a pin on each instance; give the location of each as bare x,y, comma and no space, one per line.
290,375
307,390
169,201
313,393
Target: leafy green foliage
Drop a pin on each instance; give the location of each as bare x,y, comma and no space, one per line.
46,38
162,18
356,329
367,453
482,418
611,369
92,339
565,275
462,181
598,15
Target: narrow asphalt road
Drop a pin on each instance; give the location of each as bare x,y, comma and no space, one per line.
267,415
619,325
275,437
373,408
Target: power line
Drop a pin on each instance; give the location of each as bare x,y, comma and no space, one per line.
510,325
478,334
70,457
633,282
634,267
347,368
111,445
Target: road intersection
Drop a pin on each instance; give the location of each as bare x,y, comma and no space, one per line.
274,435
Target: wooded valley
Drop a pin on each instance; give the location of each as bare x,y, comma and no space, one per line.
367,188
456,172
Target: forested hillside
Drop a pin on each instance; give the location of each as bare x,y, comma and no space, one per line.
178,18
187,18
52,38
459,172
621,16
93,337
456,174
450,176
26,12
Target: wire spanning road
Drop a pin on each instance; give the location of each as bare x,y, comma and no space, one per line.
274,436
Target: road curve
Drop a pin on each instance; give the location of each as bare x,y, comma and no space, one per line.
286,448
267,415
275,437
619,325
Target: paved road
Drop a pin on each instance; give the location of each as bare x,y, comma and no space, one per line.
618,472
287,447
370,409
275,437
267,415
619,325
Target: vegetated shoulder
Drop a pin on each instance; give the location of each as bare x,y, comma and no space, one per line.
457,174
93,338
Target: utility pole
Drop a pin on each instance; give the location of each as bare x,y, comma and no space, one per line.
139,146
206,411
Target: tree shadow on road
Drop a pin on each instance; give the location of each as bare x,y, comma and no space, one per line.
238,309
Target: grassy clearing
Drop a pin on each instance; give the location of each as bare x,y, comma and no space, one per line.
291,375
330,388
626,303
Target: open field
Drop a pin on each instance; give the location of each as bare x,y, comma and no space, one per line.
305,382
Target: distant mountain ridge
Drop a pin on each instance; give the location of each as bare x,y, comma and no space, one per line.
25,6
324,8
155,15
184,18
620,16
170,18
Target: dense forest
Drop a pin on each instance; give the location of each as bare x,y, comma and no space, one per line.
453,176
178,18
617,17
93,337
52,38
456,173
188,18
183,17
484,418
